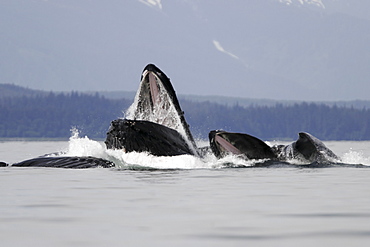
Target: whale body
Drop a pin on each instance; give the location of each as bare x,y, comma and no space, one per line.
306,149
155,122
3,164
145,136
66,162
225,143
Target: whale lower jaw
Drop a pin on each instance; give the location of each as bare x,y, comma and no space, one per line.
145,136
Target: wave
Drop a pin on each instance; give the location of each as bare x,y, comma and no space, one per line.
355,157
83,146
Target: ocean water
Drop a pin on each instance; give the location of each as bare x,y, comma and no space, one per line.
185,201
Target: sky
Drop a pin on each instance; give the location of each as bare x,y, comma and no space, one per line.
313,50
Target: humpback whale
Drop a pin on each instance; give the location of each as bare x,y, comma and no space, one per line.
225,143
66,162
3,164
306,149
155,122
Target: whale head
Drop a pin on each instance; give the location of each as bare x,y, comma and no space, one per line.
156,101
227,143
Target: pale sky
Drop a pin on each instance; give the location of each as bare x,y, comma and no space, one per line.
252,49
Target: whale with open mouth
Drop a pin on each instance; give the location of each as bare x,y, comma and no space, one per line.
155,122
306,149
226,143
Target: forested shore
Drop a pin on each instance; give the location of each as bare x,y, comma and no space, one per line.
52,115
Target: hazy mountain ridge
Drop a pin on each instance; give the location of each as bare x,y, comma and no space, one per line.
54,114
13,91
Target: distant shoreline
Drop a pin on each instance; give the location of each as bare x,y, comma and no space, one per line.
38,139
12,90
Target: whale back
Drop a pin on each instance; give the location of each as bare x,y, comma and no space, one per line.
307,148
66,162
3,164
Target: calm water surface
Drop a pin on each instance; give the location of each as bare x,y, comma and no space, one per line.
183,207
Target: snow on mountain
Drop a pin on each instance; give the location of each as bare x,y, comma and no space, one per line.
152,3
317,3
221,49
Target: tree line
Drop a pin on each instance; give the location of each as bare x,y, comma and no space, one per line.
281,122
54,114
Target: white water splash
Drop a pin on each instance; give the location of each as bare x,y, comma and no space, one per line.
355,157
83,146
135,159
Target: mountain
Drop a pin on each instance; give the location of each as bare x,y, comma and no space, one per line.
274,49
52,115
12,91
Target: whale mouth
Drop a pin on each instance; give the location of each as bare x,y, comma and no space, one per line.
221,146
226,145
154,90
151,80
156,102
